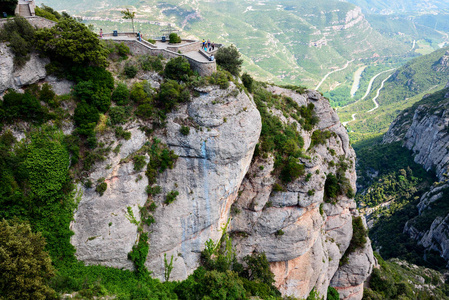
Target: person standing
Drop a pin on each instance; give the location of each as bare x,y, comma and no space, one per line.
204,43
208,43
213,46
140,36
101,33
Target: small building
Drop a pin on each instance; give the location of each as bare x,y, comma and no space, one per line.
25,8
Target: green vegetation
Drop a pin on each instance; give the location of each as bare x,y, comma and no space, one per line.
399,280
358,240
49,13
174,38
185,130
20,35
128,15
177,69
283,140
229,59
24,265
171,197
71,43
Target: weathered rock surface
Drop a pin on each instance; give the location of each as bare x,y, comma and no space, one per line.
424,131
11,77
349,278
103,232
302,237
213,159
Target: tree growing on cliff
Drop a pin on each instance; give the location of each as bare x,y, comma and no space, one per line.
129,15
24,265
71,43
229,59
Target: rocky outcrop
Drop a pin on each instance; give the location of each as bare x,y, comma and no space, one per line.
350,278
103,231
424,130
11,77
303,238
213,159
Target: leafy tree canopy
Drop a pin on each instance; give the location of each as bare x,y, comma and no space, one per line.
72,43
24,265
229,59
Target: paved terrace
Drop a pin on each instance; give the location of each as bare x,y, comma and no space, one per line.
190,49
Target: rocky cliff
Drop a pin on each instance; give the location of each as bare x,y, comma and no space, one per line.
215,171
424,130
217,178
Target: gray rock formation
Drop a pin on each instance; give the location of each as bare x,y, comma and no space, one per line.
103,231
424,131
302,237
213,159
11,77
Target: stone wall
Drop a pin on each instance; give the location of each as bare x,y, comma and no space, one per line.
203,68
137,48
194,46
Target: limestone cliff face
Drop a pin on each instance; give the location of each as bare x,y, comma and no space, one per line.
424,130
215,174
213,159
11,77
303,237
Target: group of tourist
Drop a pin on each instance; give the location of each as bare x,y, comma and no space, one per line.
208,45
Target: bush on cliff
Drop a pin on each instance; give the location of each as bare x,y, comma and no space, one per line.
20,34
24,265
71,43
178,69
229,59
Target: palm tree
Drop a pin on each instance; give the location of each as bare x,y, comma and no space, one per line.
129,15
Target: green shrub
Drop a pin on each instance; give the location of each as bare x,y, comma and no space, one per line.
71,43
358,241
119,114
185,130
122,49
86,117
20,35
25,107
332,294
171,197
139,93
101,188
138,256
24,264
247,81
319,137
172,93
47,95
229,59
45,14
151,63
120,133
139,162
292,170
130,71
174,38
178,69
121,94
220,78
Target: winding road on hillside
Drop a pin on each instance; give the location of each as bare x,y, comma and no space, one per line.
376,104
334,71
368,90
